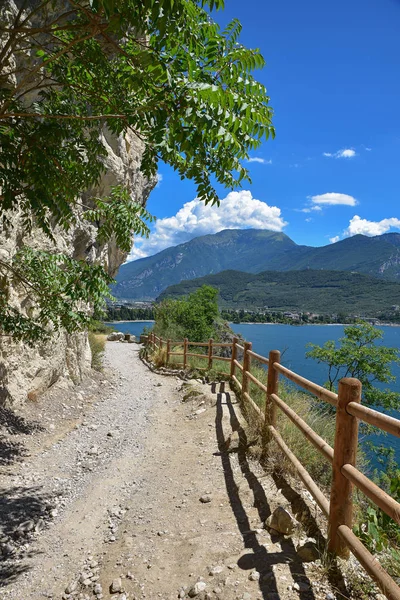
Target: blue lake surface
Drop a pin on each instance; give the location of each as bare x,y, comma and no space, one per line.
132,327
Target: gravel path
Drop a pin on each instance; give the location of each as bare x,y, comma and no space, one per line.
79,480
132,494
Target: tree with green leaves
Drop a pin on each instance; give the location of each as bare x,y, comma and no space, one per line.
360,355
193,317
160,70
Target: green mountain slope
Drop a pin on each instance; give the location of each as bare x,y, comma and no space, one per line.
254,251
314,291
246,250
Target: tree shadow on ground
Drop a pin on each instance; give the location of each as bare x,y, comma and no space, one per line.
259,558
10,451
16,424
13,424
21,512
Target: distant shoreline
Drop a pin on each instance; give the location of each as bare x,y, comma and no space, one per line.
255,323
131,321
313,324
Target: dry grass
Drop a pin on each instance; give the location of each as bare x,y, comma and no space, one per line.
97,343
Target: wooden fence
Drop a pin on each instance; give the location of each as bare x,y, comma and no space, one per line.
342,457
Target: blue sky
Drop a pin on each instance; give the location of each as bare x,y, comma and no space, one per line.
333,170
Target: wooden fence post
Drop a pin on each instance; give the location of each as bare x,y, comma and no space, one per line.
234,355
246,367
272,388
210,351
168,351
345,453
185,345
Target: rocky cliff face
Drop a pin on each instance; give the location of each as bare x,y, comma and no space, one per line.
27,372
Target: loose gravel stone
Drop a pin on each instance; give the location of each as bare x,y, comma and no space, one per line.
205,499
116,586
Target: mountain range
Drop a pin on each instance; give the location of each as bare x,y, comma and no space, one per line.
319,291
255,251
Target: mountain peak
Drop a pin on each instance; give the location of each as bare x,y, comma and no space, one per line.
254,251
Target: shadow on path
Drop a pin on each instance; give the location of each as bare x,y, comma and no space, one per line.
21,512
258,558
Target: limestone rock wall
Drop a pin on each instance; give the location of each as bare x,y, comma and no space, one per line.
27,372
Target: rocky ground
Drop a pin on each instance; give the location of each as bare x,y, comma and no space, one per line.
124,490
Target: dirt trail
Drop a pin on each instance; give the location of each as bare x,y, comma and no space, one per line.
115,487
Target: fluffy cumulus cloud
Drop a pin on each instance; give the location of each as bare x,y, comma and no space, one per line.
333,199
344,153
358,225
257,159
159,179
334,239
239,210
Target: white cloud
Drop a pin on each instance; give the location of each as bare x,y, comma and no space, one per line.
239,210
358,225
333,199
257,159
309,209
344,153
334,239
159,179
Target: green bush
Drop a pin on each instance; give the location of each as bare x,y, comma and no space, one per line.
192,317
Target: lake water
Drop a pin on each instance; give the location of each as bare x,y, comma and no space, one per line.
132,327
292,340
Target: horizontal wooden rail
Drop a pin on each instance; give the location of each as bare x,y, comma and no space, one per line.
260,358
236,380
317,441
221,345
204,344
373,417
374,493
308,385
370,563
176,353
260,385
239,347
304,475
254,405
223,358
197,355
237,363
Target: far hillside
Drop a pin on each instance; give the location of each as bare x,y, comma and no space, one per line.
255,251
314,291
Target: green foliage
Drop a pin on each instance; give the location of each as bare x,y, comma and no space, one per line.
161,70
100,327
380,533
358,355
57,290
192,317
